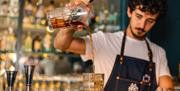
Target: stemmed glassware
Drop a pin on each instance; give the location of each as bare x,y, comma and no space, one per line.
29,70
11,76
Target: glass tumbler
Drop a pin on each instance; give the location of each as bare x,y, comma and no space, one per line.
93,81
64,16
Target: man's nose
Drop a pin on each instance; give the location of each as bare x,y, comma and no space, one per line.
142,24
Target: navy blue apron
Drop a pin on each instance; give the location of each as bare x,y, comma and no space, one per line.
132,74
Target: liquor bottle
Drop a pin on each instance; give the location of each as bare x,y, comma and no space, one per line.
28,43
11,40
4,41
14,8
50,7
36,44
20,86
43,86
51,86
4,8
40,15
36,86
47,43
29,10
57,86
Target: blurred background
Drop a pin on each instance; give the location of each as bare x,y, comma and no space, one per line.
25,38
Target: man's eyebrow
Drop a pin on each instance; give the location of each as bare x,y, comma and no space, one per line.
141,15
137,13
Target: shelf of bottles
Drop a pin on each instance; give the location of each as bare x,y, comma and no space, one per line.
8,23
35,36
9,13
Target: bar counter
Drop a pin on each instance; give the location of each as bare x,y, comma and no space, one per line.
57,83
51,83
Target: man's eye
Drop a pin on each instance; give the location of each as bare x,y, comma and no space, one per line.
138,16
149,21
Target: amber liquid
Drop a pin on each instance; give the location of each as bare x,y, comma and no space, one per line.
93,82
59,23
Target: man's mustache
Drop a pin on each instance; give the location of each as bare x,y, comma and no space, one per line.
141,29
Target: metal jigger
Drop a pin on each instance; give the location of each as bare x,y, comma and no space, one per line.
29,70
11,76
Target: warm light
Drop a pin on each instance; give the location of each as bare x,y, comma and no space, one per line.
81,13
43,22
49,30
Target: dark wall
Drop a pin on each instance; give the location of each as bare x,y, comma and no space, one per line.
123,14
167,34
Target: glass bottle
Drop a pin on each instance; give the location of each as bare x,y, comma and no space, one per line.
69,15
36,86
28,43
20,86
4,10
50,7
47,43
40,14
14,8
36,44
43,86
4,42
11,40
29,11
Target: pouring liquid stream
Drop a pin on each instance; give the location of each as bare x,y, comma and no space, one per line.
91,45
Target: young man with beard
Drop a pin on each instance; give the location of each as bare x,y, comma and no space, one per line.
129,60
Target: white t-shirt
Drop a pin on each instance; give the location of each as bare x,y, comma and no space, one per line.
108,45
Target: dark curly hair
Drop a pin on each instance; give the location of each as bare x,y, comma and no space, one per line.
152,6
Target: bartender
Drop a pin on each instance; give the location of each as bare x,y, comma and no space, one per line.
128,59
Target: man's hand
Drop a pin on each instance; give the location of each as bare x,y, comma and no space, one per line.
87,7
165,82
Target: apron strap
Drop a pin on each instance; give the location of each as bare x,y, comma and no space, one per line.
150,55
122,48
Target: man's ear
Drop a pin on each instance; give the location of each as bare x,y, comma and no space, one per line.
129,12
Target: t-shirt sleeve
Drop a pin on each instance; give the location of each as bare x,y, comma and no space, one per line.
163,66
97,42
88,51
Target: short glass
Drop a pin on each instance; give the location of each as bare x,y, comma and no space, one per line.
64,16
93,81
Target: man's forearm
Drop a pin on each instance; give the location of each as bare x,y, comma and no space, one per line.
64,38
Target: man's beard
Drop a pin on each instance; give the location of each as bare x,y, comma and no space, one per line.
135,35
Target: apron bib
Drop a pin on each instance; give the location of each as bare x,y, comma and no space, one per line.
132,74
